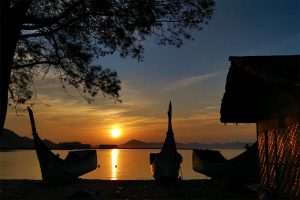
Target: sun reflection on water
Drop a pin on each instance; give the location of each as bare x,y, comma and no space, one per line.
114,164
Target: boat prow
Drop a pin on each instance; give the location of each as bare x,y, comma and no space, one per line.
242,168
165,165
57,170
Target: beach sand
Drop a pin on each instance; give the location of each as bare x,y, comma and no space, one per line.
123,189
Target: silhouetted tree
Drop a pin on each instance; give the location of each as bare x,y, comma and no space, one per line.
63,36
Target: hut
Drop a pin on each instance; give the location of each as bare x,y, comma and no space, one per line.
266,90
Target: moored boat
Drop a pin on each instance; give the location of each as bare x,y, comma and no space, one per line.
242,168
57,170
166,164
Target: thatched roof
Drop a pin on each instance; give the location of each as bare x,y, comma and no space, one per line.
259,86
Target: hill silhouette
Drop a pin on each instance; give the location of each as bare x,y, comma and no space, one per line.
136,144
11,140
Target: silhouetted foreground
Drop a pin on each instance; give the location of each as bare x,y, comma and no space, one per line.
53,168
242,168
265,90
165,165
132,189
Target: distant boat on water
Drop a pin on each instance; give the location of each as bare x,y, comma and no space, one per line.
56,170
166,164
242,168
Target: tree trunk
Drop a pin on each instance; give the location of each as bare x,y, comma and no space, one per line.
10,29
5,70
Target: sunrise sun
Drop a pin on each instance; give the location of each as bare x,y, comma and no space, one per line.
115,132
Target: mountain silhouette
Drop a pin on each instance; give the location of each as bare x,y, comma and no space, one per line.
136,144
11,140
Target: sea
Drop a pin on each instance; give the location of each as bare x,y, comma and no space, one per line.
114,164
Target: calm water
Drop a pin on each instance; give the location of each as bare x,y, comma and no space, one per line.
123,164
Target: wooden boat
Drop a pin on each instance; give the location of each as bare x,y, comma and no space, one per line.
56,170
242,168
166,164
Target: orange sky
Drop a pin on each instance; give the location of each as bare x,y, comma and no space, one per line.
192,76
73,119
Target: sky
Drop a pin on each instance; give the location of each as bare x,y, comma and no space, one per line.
193,77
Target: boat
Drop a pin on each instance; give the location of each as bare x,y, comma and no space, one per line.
242,168
57,170
165,165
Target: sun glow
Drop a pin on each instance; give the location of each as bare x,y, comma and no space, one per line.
115,132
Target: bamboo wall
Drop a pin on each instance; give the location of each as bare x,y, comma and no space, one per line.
279,159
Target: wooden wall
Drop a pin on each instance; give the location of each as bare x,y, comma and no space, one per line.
279,159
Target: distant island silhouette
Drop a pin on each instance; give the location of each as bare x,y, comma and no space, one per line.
136,144
11,140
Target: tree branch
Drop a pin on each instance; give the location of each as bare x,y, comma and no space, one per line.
16,66
51,31
45,22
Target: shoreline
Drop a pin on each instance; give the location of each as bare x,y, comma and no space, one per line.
124,189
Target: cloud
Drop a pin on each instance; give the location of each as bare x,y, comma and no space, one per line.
185,82
74,111
134,97
200,118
